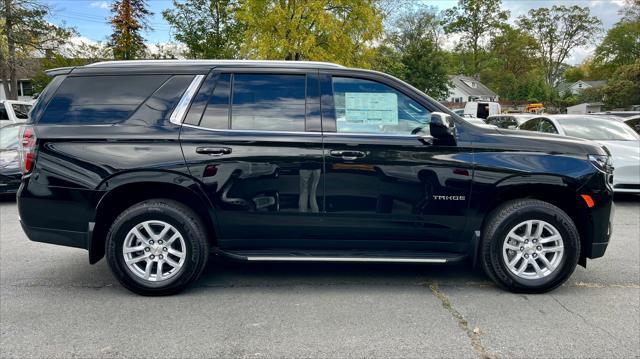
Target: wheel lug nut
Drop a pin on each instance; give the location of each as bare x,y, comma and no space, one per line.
526,256
526,241
164,249
534,255
151,241
539,248
521,248
152,256
160,241
160,256
146,249
535,241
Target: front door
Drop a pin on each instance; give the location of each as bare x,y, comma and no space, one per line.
385,186
253,138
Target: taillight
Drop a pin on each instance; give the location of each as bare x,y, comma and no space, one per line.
27,148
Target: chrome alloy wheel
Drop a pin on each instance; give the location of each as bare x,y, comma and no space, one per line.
154,250
533,249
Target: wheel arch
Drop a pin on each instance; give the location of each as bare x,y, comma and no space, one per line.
130,188
561,196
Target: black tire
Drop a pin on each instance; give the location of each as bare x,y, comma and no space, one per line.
181,218
509,215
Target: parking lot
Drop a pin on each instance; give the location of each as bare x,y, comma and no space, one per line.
54,304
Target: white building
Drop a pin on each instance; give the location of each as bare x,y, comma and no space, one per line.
465,89
585,108
578,86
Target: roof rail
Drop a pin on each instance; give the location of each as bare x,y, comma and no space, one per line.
211,62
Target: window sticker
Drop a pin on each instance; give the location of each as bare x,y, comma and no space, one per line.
371,108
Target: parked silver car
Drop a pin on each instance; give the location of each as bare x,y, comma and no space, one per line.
620,139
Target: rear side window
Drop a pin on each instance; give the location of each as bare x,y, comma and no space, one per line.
21,111
531,125
273,102
100,99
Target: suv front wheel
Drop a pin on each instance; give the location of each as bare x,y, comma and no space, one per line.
529,246
157,247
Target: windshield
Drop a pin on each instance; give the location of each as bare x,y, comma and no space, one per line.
9,137
597,129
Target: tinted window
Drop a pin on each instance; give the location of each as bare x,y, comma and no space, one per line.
3,113
216,114
502,121
635,124
531,125
371,107
21,111
100,99
268,102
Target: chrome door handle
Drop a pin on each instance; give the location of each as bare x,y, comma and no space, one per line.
347,155
219,151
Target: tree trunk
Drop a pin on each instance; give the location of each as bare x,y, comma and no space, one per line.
10,89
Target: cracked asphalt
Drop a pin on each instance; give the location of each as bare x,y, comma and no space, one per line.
54,304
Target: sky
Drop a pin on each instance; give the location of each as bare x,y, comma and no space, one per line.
88,17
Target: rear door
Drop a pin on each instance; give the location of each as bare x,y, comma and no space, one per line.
384,188
252,136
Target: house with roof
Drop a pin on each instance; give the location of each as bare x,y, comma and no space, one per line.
581,85
25,72
467,88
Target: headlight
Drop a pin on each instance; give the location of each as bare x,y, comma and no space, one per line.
601,162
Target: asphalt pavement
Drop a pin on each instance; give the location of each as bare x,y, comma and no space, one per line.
54,304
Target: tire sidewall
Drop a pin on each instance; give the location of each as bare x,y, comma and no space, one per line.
146,212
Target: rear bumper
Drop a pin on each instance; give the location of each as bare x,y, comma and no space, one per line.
56,236
9,183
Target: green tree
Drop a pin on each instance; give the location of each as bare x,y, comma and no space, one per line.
621,45
558,31
24,31
475,20
416,40
74,55
325,30
208,28
128,20
574,74
623,88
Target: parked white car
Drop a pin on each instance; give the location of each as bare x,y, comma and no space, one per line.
13,112
621,140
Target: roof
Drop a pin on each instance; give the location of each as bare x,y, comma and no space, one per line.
173,63
588,104
481,90
595,83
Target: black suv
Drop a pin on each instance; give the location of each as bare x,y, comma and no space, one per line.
158,164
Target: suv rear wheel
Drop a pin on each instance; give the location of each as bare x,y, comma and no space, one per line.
529,246
157,247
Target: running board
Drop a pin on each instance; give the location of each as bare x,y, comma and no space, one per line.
340,256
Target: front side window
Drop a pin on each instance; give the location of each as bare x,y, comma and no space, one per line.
364,106
270,102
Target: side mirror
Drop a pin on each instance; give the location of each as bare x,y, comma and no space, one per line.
442,128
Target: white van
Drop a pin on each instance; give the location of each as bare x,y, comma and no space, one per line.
482,109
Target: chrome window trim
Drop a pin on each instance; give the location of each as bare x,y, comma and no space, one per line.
178,114
252,131
301,133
